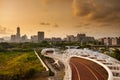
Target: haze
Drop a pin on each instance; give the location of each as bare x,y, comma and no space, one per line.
59,18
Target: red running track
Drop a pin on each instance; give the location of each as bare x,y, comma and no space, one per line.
83,69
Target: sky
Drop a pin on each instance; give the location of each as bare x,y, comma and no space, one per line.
98,18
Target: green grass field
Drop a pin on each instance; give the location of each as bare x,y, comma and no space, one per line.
19,65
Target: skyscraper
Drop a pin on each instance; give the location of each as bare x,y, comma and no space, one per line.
40,36
18,34
18,31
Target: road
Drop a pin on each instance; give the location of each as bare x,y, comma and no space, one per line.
83,69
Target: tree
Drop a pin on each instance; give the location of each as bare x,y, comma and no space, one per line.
2,49
117,54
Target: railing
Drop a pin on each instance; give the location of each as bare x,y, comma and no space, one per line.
41,61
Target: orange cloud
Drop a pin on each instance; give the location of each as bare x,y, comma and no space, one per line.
4,30
99,10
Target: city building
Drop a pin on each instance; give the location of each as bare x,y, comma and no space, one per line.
56,39
18,35
115,41
119,41
24,38
34,38
40,36
48,39
101,40
110,41
13,38
71,38
17,38
107,41
81,37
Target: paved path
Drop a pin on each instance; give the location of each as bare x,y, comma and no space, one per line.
87,70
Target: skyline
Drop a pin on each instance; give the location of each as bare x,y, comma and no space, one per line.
19,35
60,17
18,38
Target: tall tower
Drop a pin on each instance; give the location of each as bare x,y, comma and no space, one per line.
18,34
40,36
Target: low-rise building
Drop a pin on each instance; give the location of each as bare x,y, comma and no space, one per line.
110,41
24,38
34,38
56,39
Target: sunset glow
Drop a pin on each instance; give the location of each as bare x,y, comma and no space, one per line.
59,18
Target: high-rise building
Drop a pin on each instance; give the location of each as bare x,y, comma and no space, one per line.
18,34
40,36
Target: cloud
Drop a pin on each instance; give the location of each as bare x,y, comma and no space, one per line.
56,25
98,10
83,25
4,30
54,1
49,24
93,10
44,23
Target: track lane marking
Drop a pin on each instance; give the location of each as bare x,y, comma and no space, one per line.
90,70
76,70
100,74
